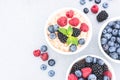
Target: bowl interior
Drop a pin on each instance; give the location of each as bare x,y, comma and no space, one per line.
88,39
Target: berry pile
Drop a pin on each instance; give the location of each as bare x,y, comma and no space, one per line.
90,68
110,39
68,30
42,53
102,15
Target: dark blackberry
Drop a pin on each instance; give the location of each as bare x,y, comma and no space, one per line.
88,65
105,67
100,78
81,64
97,70
103,15
76,32
75,67
62,37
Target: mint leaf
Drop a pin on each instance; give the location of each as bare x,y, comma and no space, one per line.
63,30
72,40
69,31
69,40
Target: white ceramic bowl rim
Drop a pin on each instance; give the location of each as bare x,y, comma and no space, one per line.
99,39
77,51
78,59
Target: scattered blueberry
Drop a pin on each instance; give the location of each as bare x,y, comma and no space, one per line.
56,27
51,62
86,10
118,50
119,33
43,48
78,73
106,78
112,23
81,41
117,26
105,47
110,43
114,55
118,39
88,59
109,30
92,77
100,62
105,5
80,79
97,1
115,32
51,29
103,41
73,48
107,35
82,2
118,22
117,45
113,39
51,73
104,31
94,60
52,35
112,49
43,67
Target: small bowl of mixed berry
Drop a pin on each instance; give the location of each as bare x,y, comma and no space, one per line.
68,31
90,68
109,39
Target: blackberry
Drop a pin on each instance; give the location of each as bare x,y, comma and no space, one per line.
88,65
81,64
103,15
75,67
62,37
97,70
105,67
100,78
76,32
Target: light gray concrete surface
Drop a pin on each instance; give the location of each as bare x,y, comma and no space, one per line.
21,31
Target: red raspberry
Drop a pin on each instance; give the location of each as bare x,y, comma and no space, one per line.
74,21
108,73
84,27
86,72
37,53
62,21
44,56
70,13
72,77
94,9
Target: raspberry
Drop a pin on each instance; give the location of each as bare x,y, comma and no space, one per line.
84,27
76,32
62,37
86,72
94,9
44,56
62,21
103,15
72,77
108,73
37,53
70,13
74,21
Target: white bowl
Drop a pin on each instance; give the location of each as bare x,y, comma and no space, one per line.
99,39
109,66
88,39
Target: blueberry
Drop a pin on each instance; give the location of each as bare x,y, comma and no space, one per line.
119,33
113,39
105,47
82,2
118,22
112,49
103,41
107,35
118,39
94,60
117,45
86,10
51,62
80,79
106,78
51,29
109,30
52,35
43,48
111,24
92,77
117,26
51,73
81,41
73,48
43,67
110,43
97,1
115,32
56,27
78,73
114,55
118,51
104,31
105,5
100,62
88,59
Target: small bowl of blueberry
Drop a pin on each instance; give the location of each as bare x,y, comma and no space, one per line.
109,39
68,31
90,68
